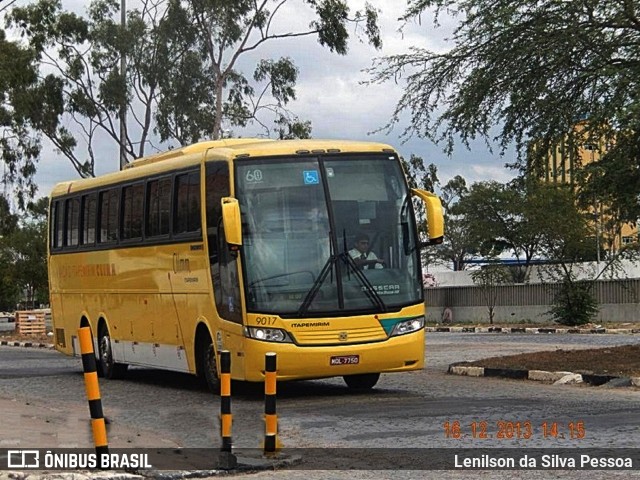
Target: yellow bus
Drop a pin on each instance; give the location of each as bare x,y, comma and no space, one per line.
306,248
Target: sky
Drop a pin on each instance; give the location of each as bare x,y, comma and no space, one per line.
331,94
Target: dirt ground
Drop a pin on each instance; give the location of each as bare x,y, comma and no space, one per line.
621,361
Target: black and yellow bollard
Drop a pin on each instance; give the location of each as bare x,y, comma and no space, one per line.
93,391
226,460
225,400
270,416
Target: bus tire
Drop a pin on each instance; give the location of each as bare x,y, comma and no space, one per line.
209,366
110,369
363,381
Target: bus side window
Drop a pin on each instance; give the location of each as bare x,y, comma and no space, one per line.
224,271
57,224
158,207
88,219
132,200
187,206
109,205
217,187
72,222
226,283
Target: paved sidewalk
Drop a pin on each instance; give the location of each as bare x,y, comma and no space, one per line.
556,378
38,424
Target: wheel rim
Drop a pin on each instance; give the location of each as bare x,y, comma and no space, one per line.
211,365
105,351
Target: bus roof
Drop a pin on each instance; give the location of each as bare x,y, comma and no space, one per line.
301,147
195,148
222,149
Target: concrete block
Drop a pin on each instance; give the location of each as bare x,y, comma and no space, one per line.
468,371
544,376
569,379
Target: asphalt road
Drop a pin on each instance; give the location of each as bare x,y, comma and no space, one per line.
413,410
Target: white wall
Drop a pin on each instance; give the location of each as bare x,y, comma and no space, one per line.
587,270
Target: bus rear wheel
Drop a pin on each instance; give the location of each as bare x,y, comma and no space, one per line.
363,381
110,369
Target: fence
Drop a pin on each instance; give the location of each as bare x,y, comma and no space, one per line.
619,301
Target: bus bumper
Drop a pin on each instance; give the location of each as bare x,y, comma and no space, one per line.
397,354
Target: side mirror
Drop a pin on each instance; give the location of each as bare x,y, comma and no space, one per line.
435,217
231,221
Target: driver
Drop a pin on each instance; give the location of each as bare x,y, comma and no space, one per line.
362,256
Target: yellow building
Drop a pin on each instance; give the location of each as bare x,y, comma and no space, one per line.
561,168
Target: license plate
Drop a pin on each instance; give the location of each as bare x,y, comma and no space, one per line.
345,360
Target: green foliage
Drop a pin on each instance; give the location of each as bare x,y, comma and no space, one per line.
19,147
290,128
183,73
458,246
529,70
525,218
574,303
23,255
488,278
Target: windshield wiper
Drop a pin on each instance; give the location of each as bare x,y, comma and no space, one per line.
368,288
311,294
369,291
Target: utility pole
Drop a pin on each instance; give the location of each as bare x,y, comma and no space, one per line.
123,105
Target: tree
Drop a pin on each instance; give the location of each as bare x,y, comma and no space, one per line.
523,71
609,190
516,217
19,149
9,291
458,247
183,81
8,220
460,244
30,245
574,303
489,278
23,256
568,240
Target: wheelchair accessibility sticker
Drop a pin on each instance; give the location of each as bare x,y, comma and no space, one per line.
310,177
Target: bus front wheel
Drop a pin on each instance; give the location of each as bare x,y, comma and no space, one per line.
110,369
363,381
209,366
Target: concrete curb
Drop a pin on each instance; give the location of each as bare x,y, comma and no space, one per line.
534,330
556,378
12,343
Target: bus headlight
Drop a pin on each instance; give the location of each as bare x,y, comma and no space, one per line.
267,334
408,326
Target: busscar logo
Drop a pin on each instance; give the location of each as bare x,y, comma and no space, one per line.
23,459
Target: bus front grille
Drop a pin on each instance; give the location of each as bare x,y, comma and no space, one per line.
340,336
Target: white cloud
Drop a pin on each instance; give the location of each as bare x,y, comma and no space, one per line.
330,94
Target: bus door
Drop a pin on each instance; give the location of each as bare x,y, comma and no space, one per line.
226,287
228,331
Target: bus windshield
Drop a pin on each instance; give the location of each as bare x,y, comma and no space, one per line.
327,235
